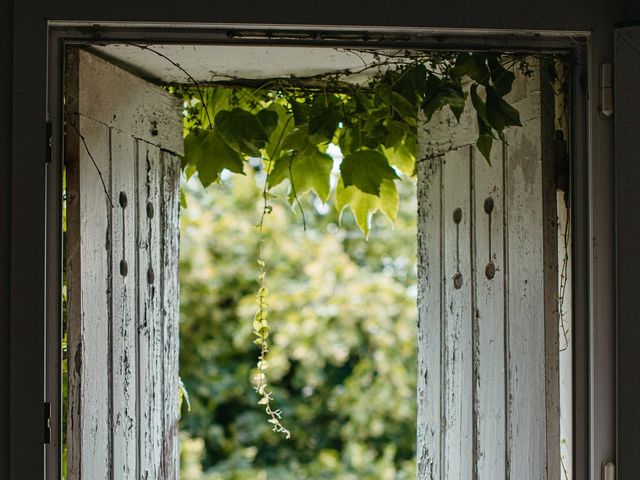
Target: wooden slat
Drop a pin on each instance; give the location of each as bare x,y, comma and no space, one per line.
150,401
123,305
526,395
457,419
430,280
489,318
170,306
89,270
125,102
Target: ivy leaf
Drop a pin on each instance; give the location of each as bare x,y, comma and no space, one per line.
439,93
394,134
484,144
403,155
411,83
308,170
211,154
474,66
242,131
324,116
485,135
269,120
297,140
479,105
364,205
300,112
501,78
366,169
283,128
499,113
216,99
399,105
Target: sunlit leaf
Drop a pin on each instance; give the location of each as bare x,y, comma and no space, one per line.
366,169
211,154
403,155
364,205
242,131
306,170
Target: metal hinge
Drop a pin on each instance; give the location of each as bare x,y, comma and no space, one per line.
48,141
47,423
608,471
606,89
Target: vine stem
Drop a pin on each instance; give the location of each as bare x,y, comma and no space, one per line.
177,65
261,328
86,147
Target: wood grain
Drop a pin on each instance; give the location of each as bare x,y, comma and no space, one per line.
123,271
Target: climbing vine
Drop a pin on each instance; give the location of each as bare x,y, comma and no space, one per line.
284,127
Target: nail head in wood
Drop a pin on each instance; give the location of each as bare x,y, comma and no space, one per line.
457,215
124,268
150,210
490,270
488,205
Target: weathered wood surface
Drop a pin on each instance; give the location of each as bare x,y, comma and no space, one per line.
488,362
123,289
130,104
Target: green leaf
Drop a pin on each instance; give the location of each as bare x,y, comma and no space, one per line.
242,131
324,116
269,120
366,169
439,93
403,155
211,154
300,113
411,82
307,170
474,66
484,143
394,134
183,199
499,113
501,78
297,140
485,135
282,129
364,205
399,105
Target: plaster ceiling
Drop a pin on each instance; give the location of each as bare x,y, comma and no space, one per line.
208,63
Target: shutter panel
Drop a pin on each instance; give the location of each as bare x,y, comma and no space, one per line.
488,369
123,138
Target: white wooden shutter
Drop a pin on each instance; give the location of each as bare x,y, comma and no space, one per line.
123,136
488,345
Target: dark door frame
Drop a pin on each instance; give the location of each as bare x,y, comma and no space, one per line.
35,195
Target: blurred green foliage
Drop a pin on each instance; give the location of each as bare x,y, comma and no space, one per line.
343,354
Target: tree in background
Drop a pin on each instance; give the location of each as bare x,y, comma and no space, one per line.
343,354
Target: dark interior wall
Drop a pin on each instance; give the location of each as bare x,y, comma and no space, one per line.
631,13
5,205
532,14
